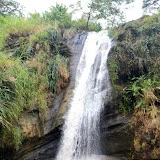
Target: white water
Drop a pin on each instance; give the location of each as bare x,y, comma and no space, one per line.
81,139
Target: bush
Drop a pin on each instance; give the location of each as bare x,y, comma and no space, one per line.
12,28
31,69
60,15
81,24
58,74
20,89
143,95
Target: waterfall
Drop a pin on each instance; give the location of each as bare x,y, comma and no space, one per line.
80,140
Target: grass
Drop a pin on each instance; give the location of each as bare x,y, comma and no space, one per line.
21,89
32,68
58,73
15,27
143,97
137,76
29,57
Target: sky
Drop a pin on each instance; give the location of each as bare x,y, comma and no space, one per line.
133,12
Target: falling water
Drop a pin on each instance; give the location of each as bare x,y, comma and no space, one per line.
81,138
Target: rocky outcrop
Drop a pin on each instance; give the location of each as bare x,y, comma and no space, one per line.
40,149
136,54
46,146
116,135
132,56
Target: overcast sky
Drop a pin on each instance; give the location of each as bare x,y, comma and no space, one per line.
42,5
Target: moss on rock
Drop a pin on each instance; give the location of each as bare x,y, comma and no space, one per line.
135,72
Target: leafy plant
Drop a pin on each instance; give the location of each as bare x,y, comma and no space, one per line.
80,24
20,90
142,97
58,73
12,28
59,14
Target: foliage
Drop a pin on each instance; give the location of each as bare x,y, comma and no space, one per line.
30,48
20,89
136,56
57,73
9,7
134,94
80,24
59,14
137,48
143,95
139,40
47,59
113,68
150,5
12,28
102,9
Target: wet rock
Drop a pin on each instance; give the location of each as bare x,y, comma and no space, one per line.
116,134
43,148
46,146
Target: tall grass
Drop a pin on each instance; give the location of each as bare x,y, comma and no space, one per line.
58,74
31,74
14,27
20,89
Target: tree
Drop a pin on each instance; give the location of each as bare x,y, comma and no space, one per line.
110,10
9,7
58,13
150,5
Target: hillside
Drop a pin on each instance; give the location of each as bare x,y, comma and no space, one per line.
134,67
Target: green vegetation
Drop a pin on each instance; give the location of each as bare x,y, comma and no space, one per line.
20,89
31,71
80,24
13,28
63,19
57,73
9,7
150,5
143,95
32,65
113,69
110,11
60,15
136,78
137,48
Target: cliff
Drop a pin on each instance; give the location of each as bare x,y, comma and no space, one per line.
134,70
130,119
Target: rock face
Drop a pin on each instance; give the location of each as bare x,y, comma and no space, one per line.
43,148
46,146
136,55
116,135
116,138
75,45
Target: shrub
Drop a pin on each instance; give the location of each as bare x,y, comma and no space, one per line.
60,15
31,71
58,74
20,89
81,24
12,28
